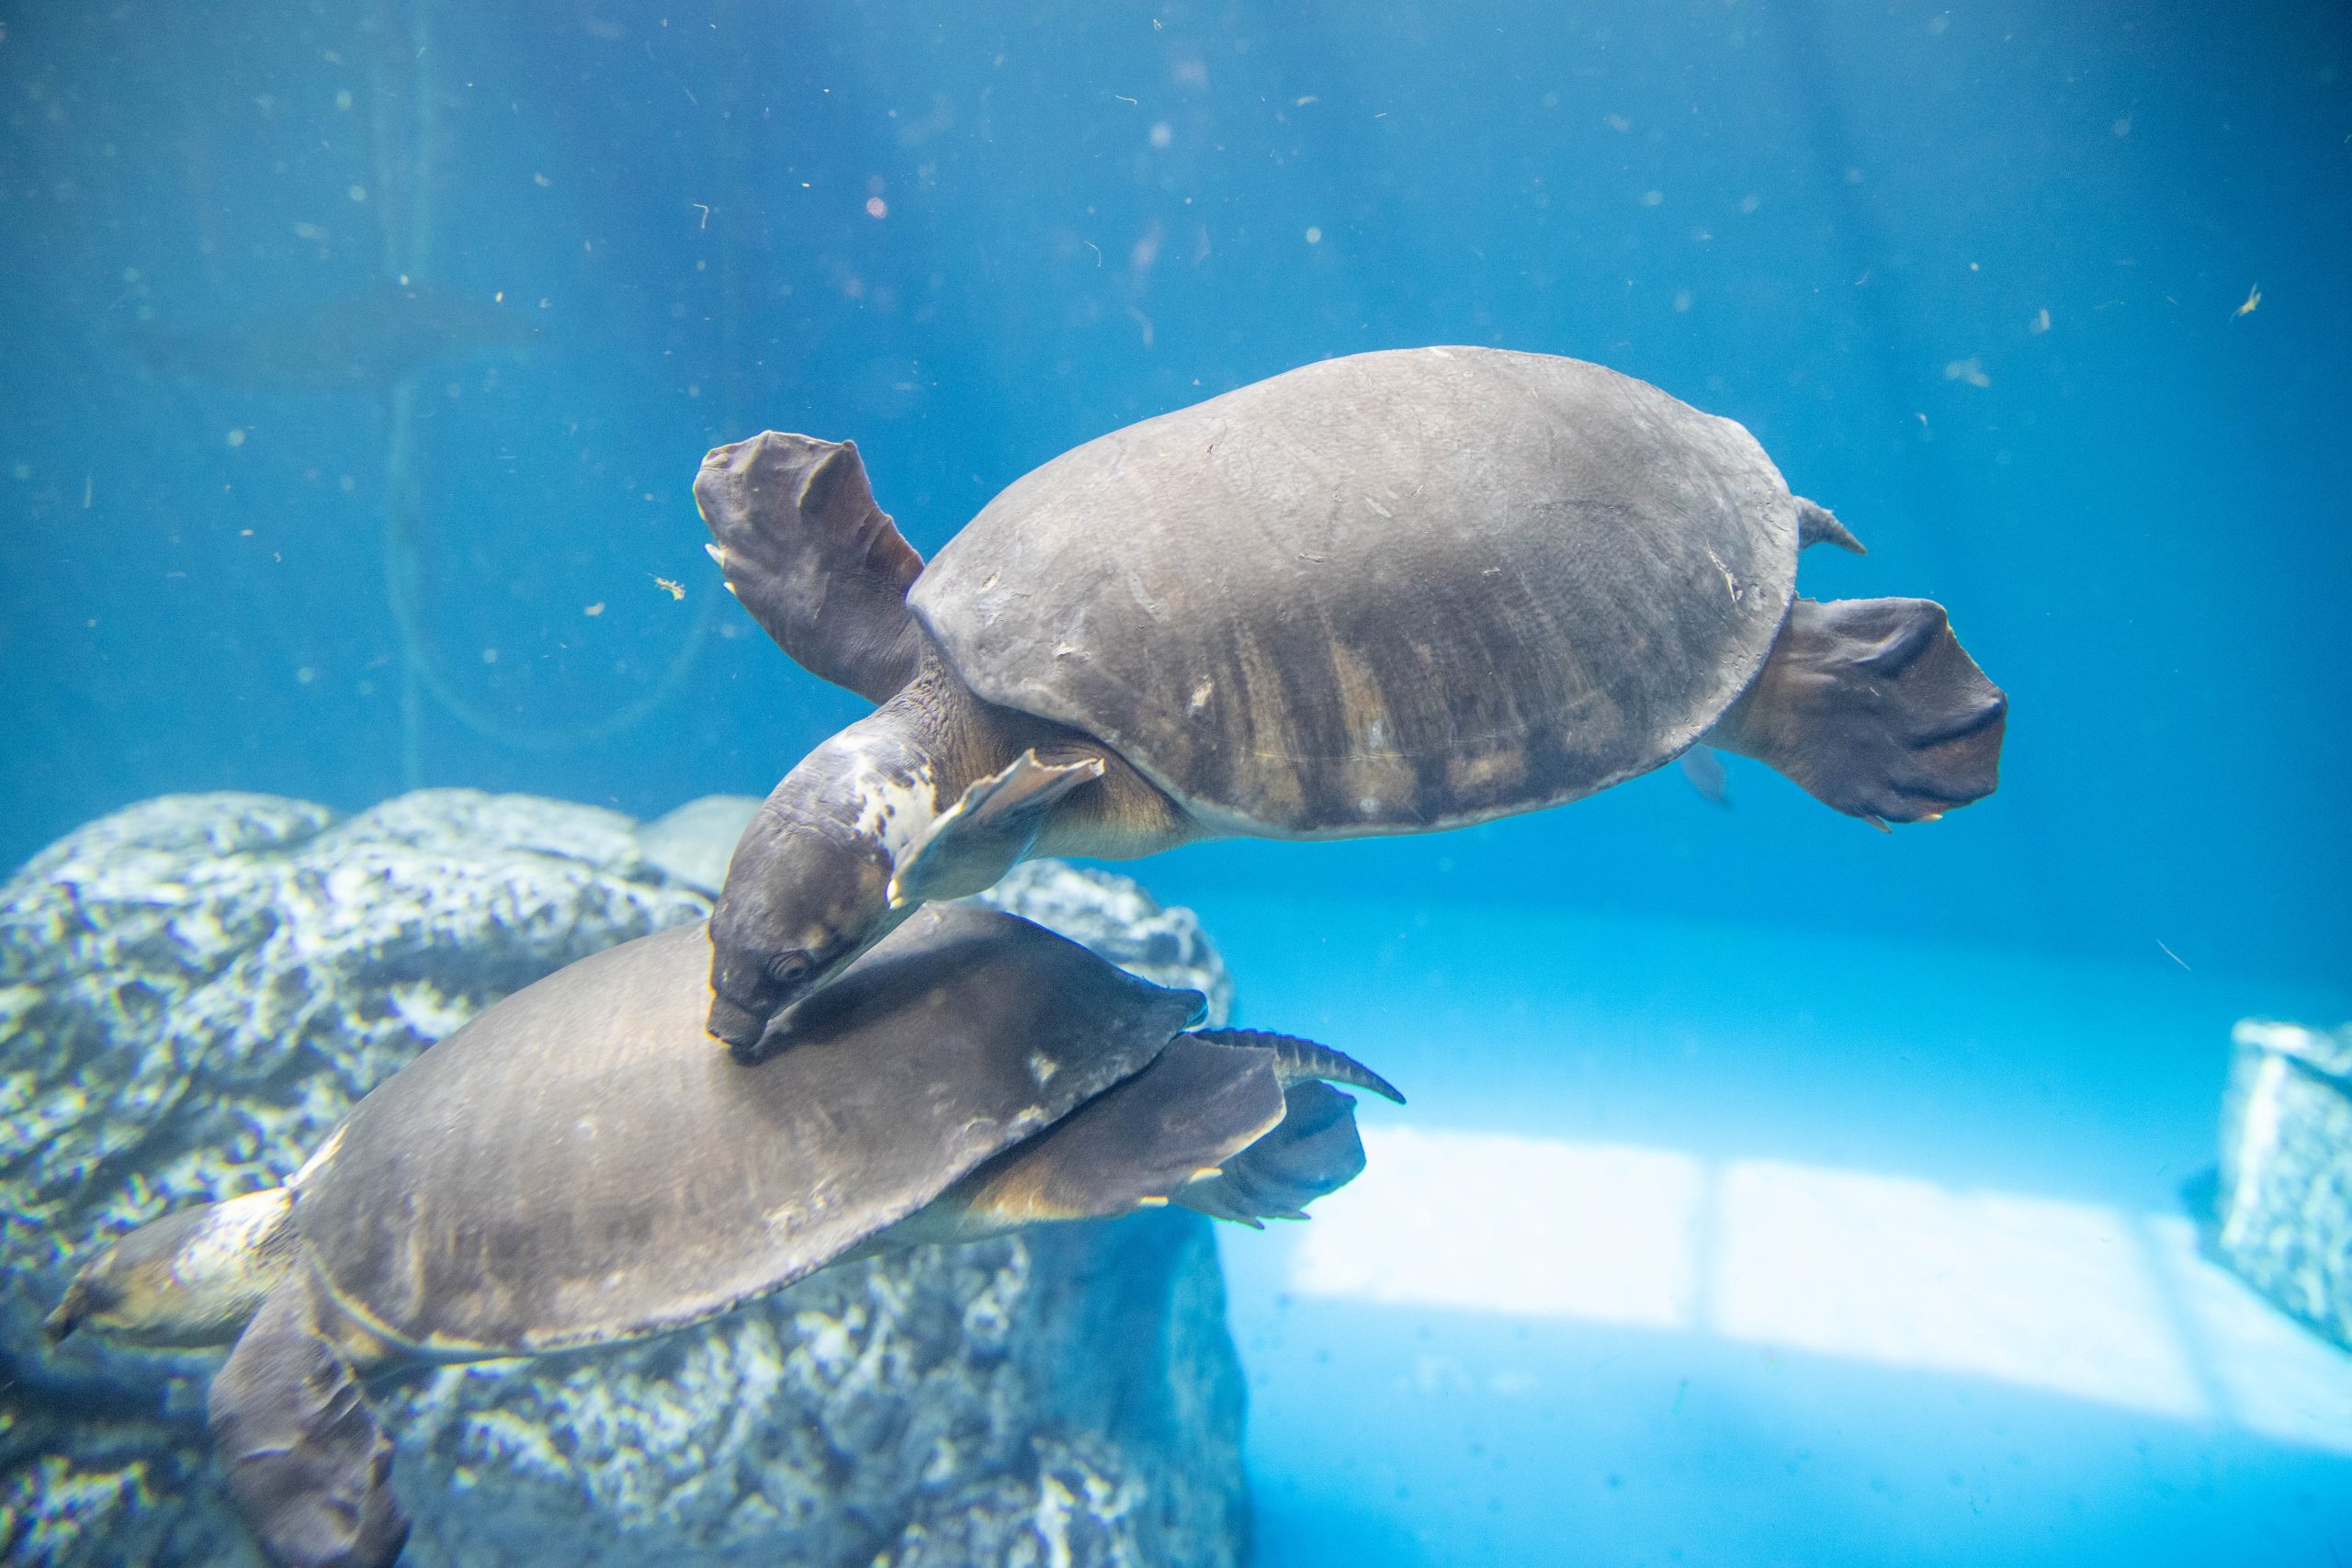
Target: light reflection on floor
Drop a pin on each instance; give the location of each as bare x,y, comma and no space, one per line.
2071,1298
1707,1246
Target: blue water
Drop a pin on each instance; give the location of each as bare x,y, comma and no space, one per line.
1976,276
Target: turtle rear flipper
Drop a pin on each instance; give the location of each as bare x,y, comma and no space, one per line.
820,566
1875,707
1195,1107
1314,1151
308,1463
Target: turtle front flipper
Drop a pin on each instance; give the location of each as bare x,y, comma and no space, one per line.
989,827
820,566
308,1464
1875,707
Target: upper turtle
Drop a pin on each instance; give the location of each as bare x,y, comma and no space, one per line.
1388,592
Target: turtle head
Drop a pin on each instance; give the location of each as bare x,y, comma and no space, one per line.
803,898
190,1279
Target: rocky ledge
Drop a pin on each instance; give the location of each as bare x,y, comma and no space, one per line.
195,989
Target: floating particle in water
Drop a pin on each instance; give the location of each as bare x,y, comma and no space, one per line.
877,208
359,192
1969,370
674,590
490,656
1617,122
595,609
2122,127
1314,236
1653,197
1750,203
2040,320
1162,133
2253,298
236,438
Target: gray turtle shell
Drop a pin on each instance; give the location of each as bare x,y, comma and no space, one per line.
1388,593
582,1163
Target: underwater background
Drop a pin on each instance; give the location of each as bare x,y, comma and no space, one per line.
356,360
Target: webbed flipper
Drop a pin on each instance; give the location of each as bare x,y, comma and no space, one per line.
820,566
979,838
1313,1151
309,1467
1195,1107
1875,707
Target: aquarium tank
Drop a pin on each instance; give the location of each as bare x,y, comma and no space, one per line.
1310,503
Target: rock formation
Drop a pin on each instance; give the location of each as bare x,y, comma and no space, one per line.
195,989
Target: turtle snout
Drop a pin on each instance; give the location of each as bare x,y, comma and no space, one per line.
738,1025
83,1298
748,991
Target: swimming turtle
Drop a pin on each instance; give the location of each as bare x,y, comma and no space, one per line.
1385,593
576,1167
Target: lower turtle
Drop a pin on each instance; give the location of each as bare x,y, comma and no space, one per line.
568,1169
1392,593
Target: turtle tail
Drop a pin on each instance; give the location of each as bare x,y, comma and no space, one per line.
1817,525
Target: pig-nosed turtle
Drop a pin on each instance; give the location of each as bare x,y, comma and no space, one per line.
1385,593
576,1167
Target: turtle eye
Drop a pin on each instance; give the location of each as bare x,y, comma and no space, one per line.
788,968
